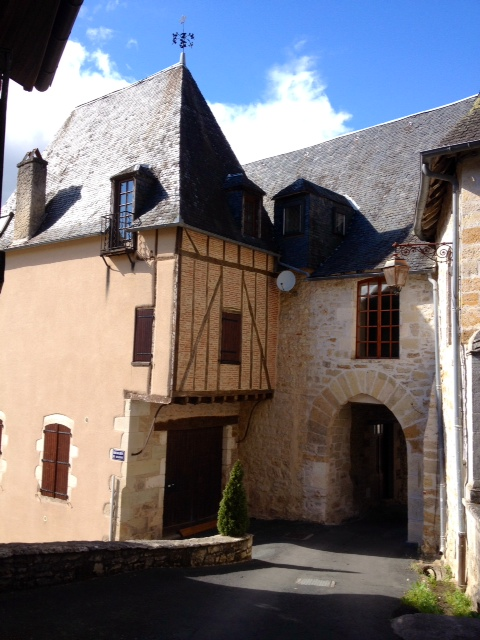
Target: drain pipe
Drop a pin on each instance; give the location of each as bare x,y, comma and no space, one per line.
440,426
457,410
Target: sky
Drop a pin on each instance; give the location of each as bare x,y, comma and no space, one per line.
279,75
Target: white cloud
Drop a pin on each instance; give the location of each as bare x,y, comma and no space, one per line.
132,43
33,118
296,113
114,4
99,34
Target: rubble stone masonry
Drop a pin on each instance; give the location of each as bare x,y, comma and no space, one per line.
297,452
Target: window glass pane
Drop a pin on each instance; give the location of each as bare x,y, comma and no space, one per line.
377,320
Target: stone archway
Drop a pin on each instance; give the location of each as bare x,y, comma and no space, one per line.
327,483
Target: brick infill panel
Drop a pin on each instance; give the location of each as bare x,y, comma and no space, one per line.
23,566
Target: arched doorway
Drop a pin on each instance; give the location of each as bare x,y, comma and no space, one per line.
378,461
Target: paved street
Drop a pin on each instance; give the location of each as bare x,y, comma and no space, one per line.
306,581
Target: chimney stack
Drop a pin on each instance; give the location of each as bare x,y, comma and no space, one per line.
31,190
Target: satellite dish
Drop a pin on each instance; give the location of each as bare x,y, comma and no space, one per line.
286,281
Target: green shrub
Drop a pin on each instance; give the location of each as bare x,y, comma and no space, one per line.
233,512
460,603
422,598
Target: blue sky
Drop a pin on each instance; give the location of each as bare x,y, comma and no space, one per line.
278,75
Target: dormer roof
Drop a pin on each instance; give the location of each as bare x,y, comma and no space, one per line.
301,186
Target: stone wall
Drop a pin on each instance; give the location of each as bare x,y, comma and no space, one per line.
23,566
294,454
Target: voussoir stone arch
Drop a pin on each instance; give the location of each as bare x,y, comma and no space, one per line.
377,384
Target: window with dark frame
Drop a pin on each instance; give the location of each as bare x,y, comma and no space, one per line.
143,338
251,215
339,223
117,234
293,219
378,320
231,341
56,461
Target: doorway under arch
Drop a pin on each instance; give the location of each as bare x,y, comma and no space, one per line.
368,464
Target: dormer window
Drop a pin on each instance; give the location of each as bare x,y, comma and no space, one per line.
245,201
293,219
251,215
124,208
129,188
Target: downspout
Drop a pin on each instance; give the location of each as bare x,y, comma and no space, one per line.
440,430
457,410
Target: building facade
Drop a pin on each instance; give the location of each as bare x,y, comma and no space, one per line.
150,341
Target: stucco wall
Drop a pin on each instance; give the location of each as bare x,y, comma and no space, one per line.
66,330
292,459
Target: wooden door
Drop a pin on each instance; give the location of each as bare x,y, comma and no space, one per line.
193,476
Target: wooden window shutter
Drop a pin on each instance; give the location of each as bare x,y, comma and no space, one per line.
142,343
55,461
231,338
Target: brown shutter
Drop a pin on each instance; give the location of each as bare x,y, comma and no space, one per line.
55,461
142,344
63,462
231,338
49,460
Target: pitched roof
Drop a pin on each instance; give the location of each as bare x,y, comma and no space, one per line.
162,123
379,169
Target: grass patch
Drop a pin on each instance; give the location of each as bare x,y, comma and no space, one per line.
429,595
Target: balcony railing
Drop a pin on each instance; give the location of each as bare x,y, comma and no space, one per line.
116,237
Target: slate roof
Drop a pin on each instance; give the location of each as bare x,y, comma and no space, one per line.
379,169
467,129
162,123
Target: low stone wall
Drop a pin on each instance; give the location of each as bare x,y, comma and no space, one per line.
23,566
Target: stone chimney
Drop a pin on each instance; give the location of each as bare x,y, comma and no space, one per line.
31,188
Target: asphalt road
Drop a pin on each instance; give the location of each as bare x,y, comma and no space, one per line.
306,581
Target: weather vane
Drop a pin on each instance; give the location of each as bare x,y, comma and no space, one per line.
183,39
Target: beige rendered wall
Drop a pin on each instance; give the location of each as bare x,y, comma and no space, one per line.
292,449
66,330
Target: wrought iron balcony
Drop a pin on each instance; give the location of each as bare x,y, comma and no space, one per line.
116,236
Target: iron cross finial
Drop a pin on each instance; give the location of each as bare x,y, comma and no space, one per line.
183,39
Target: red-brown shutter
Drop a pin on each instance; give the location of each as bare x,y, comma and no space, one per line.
55,461
63,462
142,344
231,338
49,460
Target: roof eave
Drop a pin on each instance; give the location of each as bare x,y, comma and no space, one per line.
425,158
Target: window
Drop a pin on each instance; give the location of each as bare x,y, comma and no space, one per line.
293,219
251,215
142,343
339,223
56,461
378,320
116,234
231,338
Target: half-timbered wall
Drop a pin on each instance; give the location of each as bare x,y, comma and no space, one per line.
218,276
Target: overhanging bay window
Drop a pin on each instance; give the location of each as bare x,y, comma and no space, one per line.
378,320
